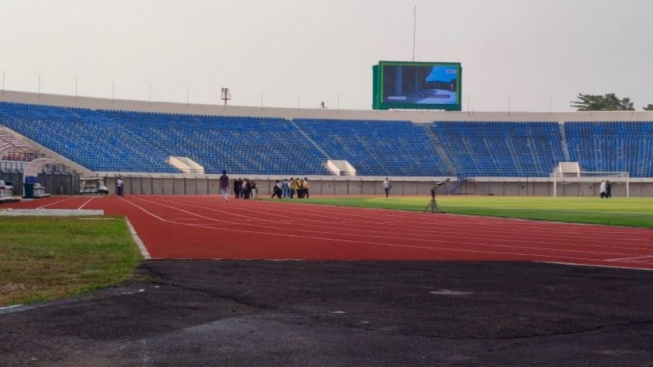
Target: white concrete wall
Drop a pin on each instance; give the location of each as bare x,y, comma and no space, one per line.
148,184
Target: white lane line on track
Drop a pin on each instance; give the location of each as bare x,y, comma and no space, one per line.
632,259
446,249
87,201
54,202
489,222
536,228
473,241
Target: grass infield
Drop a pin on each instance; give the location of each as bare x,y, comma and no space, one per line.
632,212
48,258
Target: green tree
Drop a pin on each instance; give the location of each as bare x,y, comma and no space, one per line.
649,107
608,102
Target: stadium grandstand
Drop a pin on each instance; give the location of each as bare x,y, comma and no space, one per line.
482,153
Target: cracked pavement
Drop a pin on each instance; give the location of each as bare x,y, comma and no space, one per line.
364,313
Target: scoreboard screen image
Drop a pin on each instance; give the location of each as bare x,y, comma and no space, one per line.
417,85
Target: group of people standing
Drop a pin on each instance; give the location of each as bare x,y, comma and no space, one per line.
289,187
605,189
244,188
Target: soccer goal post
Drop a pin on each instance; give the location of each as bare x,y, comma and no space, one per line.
569,179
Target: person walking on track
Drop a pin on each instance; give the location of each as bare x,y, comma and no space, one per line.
224,186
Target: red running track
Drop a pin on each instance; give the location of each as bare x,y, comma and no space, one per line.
203,227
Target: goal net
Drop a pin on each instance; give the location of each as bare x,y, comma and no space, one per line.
569,180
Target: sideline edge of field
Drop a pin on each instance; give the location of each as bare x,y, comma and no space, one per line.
65,213
73,213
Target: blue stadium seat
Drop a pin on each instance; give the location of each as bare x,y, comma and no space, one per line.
614,146
377,148
104,140
488,148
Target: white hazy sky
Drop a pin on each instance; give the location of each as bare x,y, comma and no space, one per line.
283,53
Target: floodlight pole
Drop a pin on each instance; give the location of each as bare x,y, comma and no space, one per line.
414,29
225,95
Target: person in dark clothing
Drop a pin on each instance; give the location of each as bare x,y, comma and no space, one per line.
237,188
224,186
608,189
306,187
300,188
276,190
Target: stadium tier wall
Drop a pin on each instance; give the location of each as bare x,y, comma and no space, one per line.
421,116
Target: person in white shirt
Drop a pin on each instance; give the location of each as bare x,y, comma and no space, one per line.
387,186
603,189
119,186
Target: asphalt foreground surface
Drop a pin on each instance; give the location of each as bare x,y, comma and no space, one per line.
306,313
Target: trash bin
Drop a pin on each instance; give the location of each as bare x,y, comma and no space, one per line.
28,190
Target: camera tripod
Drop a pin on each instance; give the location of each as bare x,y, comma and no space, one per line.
433,204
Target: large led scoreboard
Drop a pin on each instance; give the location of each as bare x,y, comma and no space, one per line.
417,85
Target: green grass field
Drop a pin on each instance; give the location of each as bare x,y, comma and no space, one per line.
634,212
49,258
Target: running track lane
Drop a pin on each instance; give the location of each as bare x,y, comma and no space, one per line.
203,227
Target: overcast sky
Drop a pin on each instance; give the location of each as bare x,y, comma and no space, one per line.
517,54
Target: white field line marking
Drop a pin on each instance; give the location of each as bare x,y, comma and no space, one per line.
137,240
9,307
535,228
361,242
87,201
54,202
457,237
630,259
